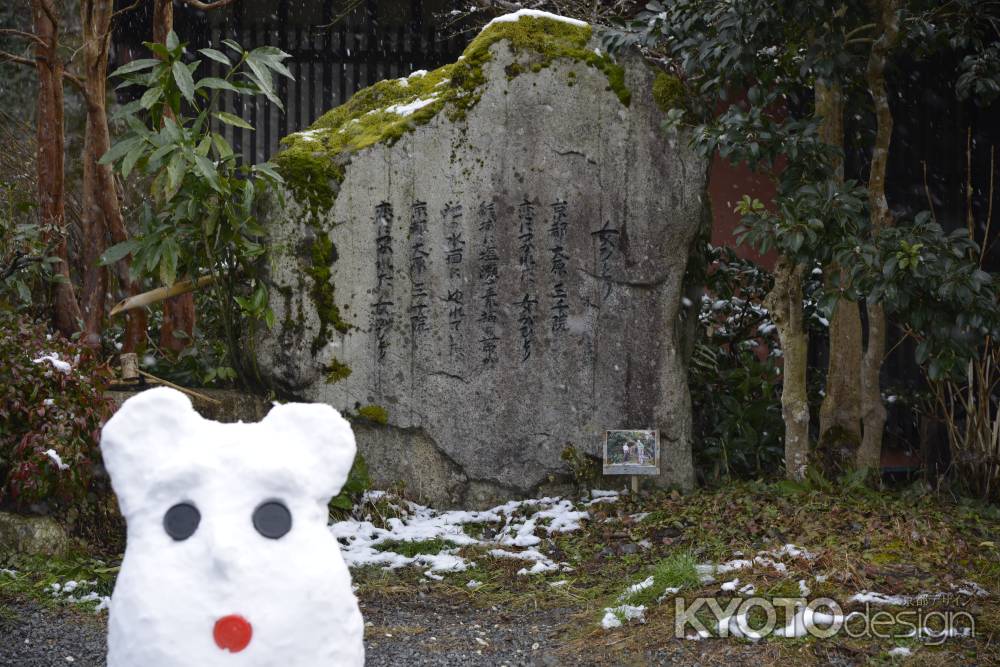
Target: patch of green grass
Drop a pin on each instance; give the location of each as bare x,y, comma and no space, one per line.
35,575
412,548
657,517
984,568
475,530
783,588
678,570
7,615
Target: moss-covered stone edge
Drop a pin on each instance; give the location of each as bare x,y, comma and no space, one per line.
669,93
312,161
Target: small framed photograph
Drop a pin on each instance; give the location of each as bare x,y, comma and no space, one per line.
635,452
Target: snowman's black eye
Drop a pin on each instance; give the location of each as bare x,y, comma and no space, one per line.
272,519
181,521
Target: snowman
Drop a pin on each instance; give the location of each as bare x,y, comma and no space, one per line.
229,560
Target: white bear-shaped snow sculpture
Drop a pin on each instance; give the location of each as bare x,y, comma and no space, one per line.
229,560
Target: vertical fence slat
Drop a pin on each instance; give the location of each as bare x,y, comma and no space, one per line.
238,109
283,85
252,136
341,66
326,53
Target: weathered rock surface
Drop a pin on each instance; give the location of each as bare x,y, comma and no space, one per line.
231,406
32,535
499,264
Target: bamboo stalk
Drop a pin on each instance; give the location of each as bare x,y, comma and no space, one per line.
160,294
189,392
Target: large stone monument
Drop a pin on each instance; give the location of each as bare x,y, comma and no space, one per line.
492,253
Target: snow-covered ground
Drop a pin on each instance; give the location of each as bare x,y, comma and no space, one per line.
516,528
76,592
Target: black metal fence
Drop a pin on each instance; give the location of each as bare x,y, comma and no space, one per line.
337,48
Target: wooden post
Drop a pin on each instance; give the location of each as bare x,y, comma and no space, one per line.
635,485
129,366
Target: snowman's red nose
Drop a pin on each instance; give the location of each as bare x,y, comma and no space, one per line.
232,633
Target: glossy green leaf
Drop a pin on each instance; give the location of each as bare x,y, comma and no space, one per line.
217,56
135,66
119,251
183,79
231,119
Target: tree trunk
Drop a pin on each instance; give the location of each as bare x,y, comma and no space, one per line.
102,218
178,312
840,413
49,163
873,411
163,20
784,303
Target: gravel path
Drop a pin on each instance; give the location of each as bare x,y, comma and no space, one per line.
35,636
426,630
419,631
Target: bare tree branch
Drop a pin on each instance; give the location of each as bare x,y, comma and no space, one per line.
27,35
125,10
501,4
861,28
10,57
206,6
76,81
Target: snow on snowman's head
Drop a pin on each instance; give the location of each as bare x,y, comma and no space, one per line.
157,434
228,544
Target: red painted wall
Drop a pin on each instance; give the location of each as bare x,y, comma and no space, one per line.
726,185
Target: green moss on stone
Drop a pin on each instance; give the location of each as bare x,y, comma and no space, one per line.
358,481
324,254
337,371
374,413
668,92
310,174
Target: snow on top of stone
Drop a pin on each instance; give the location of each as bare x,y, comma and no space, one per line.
309,135
535,13
404,80
410,107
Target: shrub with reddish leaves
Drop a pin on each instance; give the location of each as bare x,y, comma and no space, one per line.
51,412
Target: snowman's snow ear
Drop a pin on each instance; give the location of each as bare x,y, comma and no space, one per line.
324,437
141,435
